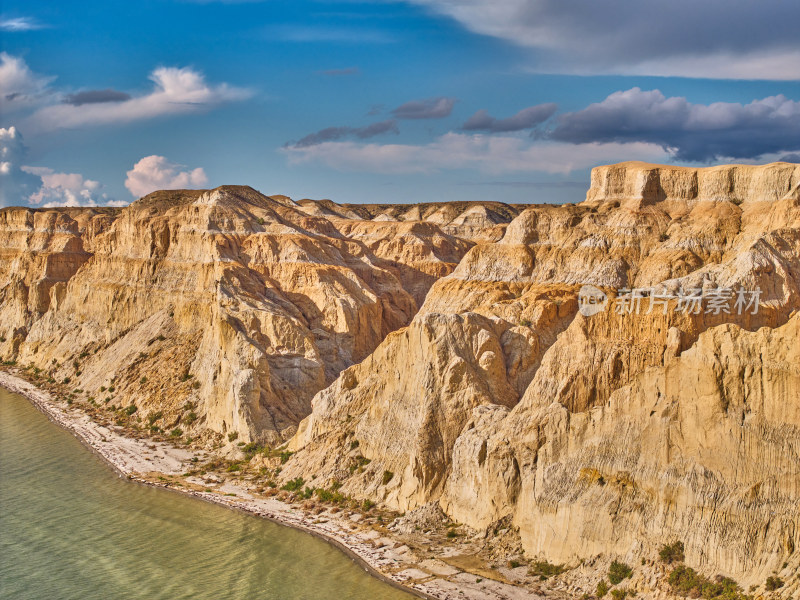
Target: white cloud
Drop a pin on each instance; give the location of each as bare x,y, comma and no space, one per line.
737,39
21,185
776,64
486,153
156,173
67,189
19,86
19,24
176,91
15,184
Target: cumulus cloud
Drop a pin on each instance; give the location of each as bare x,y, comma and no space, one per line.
17,24
524,119
68,189
487,153
693,132
175,91
156,173
95,97
714,38
429,108
19,86
16,185
330,134
790,158
21,185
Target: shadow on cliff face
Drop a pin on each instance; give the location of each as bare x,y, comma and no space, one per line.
275,298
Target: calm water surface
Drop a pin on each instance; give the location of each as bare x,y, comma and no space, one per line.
71,528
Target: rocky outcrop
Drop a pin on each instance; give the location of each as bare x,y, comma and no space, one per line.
226,304
611,433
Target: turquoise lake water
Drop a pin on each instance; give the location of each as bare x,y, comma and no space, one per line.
70,528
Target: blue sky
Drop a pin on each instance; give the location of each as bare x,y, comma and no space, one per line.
385,101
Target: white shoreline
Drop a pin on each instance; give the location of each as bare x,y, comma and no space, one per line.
380,555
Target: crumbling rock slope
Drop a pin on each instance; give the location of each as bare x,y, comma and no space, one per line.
609,433
239,304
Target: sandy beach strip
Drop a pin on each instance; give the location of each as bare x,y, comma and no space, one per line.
379,554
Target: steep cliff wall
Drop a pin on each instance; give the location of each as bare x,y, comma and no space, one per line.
610,433
227,304
444,344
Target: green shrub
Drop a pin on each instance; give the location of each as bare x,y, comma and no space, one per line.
294,484
621,594
354,444
671,553
131,409
66,380
618,571
602,588
367,504
250,448
452,533
143,380
685,581
285,455
177,432
359,463
545,570
773,583
233,435
233,467
387,477
331,495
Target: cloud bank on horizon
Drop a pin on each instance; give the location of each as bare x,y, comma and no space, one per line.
368,96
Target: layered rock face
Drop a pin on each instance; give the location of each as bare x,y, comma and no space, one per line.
449,353
229,304
612,432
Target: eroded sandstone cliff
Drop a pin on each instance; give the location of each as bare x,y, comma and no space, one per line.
446,354
226,305
611,433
